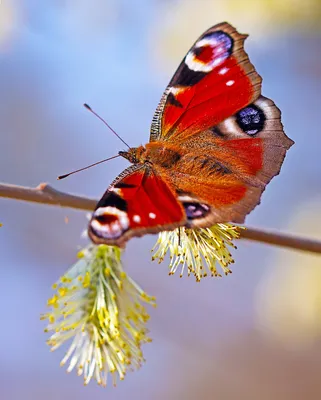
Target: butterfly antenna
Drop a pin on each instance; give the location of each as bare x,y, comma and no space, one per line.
99,117
88,166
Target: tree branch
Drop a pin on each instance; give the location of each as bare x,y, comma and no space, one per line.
45,194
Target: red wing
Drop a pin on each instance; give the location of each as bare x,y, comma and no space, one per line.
213,82
226,172
139,201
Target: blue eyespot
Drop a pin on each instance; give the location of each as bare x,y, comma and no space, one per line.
251,119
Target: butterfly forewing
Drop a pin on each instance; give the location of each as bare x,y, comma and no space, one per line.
138,202
213,82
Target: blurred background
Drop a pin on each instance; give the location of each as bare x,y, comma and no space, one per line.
255,334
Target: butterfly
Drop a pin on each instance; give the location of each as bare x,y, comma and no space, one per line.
215,143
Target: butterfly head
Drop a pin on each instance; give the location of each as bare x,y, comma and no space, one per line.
135,155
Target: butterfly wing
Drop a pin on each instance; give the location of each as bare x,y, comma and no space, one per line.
139,201
222,173
230,138
213,82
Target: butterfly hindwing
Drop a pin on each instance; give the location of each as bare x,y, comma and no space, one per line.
226,171
137,202
213,82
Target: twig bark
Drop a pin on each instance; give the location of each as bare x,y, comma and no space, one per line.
45,194
282,240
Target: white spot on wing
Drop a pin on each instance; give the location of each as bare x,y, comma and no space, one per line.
176,90
115,190
230,83
229,125
223,71
137,219
152,215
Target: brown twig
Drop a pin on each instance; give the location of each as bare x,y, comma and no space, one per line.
282,239
45,194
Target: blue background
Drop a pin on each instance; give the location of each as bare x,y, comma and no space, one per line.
213,339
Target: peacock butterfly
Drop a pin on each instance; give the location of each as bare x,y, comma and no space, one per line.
215,143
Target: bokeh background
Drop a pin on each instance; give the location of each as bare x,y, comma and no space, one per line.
255,334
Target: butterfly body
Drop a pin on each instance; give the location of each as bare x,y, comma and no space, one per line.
215,143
